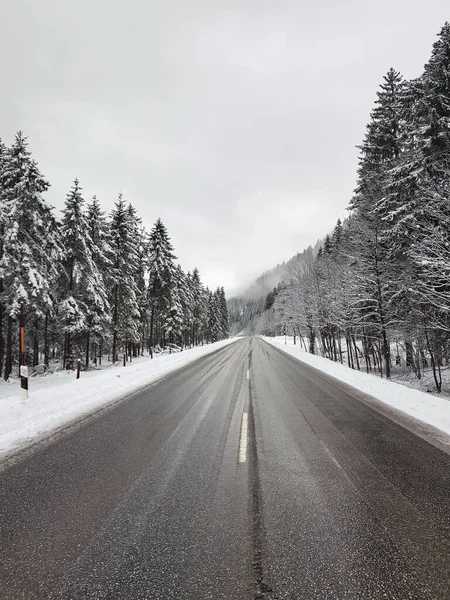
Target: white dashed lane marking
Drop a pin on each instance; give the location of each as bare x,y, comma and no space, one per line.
243,442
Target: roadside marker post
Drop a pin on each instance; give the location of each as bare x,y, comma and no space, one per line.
78,368
24,381
23,369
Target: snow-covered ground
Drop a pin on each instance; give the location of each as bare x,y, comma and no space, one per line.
431,409
60,398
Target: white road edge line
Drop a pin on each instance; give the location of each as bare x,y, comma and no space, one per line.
248,373
243,442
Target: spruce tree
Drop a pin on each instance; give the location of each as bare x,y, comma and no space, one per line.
224,317
432,112
412,210
123,292
183,283
141,284
199,307
99,317
430,239
162,299
131,313
99,237
28,240
173,322
379,154
84,305
2,233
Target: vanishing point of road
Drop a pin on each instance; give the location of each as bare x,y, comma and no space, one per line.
245,475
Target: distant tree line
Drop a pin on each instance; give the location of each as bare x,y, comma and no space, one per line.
91,284
381,278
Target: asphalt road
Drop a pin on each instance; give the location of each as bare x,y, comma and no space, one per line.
164,496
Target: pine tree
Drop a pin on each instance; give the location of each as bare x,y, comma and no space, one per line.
162,299
2,233
173,322
327,245
432,112
99,237
199,307
204,316
212,325
336,237
123,292
85,278
412,209
131,314
379,153
28,241
84,305
183,283
223,312
99,317
141,284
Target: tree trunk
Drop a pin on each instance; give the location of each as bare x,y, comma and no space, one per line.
9,335
46,340
312,340
69,357
2,308
409,350
437,380
367,353
2,344
114,356
152,318
380,359
115,316
386,353
88,343
356,352
333,337
303,343
381,313
36,344
65,351
417,361
349,352
325,345
340,349
375,358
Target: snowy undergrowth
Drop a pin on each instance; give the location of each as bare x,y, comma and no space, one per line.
59,399
431,409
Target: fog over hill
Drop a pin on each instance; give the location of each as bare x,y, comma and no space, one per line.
249,310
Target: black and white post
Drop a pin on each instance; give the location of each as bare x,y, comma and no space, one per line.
22,357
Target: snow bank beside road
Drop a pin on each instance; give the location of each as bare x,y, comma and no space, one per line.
58,399
430,409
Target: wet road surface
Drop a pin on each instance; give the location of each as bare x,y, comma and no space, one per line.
245,475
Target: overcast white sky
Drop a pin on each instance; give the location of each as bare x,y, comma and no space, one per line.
235,122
